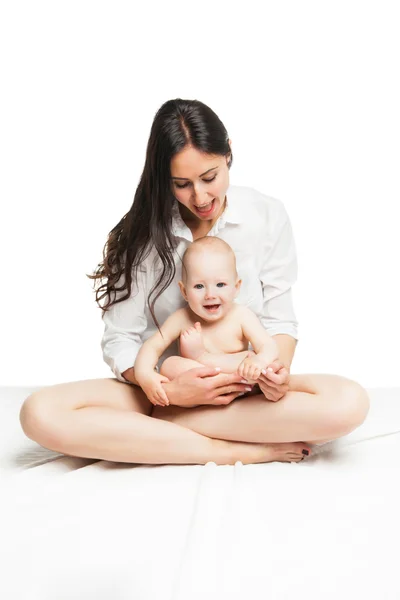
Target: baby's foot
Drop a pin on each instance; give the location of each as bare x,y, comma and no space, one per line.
191,342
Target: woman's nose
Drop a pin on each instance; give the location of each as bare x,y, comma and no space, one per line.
200,196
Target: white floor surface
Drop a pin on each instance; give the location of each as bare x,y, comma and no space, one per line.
322,529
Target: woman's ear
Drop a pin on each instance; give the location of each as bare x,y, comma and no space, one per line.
230,152
237,287
182,288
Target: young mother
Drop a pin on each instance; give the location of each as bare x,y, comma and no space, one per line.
183,194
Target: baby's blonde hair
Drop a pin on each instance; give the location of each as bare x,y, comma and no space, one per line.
204,244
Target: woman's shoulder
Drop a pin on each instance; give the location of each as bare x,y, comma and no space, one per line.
151,262
249,202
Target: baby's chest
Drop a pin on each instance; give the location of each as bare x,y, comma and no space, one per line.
224,339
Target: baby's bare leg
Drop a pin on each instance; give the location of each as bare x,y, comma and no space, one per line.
192,347
176,365
228,363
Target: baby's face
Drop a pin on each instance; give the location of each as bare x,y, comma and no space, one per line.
211,284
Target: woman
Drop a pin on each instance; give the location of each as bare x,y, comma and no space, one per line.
183,194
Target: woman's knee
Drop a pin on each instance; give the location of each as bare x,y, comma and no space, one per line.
353,406
35,417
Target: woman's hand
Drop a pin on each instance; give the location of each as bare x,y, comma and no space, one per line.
274,384
204,385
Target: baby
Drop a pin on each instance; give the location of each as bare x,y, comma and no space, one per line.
212,329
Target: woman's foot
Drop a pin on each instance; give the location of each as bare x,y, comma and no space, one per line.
251,453
191,343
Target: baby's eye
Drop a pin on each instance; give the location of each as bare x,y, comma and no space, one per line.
220,284
198,286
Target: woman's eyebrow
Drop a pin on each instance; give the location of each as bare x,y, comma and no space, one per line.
200,175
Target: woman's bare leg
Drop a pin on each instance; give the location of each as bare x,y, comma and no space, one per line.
109,420
317,408
175,365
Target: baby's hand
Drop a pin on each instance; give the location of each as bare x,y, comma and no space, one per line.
250,368
154,390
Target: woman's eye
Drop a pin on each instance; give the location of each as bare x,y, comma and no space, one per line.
220,284
186,184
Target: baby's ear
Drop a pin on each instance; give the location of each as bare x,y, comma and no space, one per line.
237,287
182,288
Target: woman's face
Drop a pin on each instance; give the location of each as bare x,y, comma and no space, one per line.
199,183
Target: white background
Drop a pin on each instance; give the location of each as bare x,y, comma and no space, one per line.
309,94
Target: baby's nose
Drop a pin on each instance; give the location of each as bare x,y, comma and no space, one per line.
210,294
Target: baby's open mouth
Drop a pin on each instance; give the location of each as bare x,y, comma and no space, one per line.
212,307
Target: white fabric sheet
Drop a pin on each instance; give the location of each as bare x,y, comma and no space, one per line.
325,528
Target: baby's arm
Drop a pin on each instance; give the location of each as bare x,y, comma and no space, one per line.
149,354
265,348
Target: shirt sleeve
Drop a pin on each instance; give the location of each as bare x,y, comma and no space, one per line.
124,324
278,274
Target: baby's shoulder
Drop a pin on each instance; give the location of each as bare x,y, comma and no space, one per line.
182,315
178,318
239,312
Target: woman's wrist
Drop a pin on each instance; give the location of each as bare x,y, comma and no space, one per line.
168,386
129,375
286,346
175,396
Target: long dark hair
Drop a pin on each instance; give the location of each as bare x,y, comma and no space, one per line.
147,224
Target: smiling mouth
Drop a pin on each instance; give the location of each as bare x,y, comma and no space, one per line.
212,307
205,208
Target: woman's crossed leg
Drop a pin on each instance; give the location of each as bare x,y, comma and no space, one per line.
317,408
110,420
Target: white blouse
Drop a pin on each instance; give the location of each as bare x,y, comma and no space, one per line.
258,229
